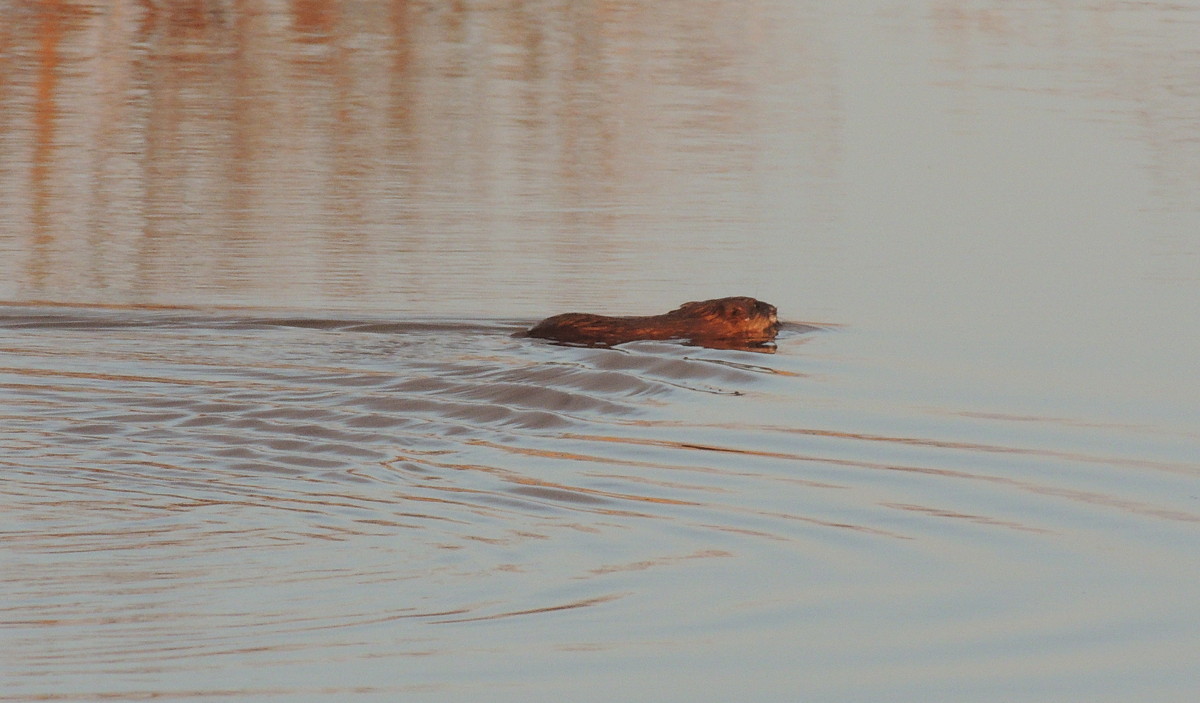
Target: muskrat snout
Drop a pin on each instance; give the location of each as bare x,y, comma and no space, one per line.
766,309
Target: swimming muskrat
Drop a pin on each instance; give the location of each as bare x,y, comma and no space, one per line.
739,322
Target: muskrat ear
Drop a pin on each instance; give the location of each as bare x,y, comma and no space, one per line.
734,310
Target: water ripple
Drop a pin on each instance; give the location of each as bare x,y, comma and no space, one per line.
288,489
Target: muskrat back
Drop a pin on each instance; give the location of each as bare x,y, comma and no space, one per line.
718,322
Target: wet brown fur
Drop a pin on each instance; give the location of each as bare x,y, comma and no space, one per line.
719,322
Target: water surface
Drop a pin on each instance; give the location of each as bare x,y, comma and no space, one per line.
266,433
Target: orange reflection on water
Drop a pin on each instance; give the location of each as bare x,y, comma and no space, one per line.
45,117
244,153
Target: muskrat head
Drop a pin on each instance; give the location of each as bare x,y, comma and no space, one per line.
735,318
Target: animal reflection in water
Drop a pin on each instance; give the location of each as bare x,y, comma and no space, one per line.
723,323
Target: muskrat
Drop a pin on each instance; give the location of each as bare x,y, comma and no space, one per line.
723,322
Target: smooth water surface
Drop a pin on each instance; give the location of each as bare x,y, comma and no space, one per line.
266,431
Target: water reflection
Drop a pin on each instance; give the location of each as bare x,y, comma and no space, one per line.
209,151
1003,468
1134,60
416,154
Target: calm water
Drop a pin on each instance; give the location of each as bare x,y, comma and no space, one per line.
265,432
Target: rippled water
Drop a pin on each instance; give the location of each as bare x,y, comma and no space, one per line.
266,431
222,504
